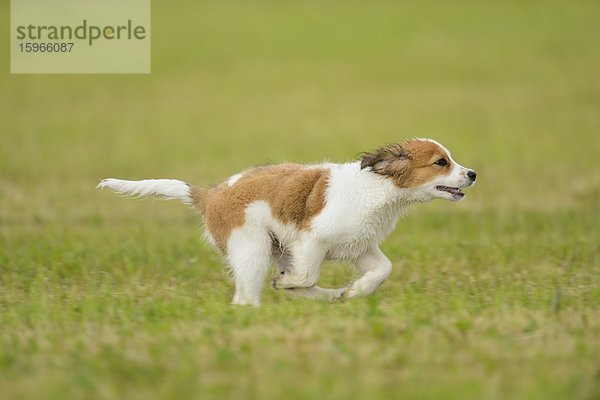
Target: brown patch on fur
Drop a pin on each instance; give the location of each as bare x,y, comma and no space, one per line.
294,192
408,164
198,196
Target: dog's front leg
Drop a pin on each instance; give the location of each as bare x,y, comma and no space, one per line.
376,267
306,258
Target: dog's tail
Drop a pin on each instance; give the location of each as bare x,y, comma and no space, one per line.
168,189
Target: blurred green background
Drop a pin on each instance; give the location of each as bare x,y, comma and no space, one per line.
495,297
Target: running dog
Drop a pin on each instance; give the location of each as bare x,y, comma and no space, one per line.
299,216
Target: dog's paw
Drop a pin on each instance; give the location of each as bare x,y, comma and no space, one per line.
287,281
274,283
339,296
278,282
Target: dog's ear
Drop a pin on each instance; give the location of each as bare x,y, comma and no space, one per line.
371,159
392,161
383,159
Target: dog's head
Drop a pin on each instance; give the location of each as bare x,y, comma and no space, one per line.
423,165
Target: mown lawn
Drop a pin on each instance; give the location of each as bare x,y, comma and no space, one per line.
496,297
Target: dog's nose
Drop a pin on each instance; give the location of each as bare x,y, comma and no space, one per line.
472,175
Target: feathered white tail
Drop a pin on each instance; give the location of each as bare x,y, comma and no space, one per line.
169,189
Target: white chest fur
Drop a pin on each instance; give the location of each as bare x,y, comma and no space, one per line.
361,210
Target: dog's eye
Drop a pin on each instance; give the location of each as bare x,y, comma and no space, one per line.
441,162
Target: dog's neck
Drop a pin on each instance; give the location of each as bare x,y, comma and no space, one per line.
382,191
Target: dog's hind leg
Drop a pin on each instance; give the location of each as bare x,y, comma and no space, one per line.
249,255
283,259
304,267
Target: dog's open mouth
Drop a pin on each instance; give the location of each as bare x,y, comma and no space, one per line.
455,192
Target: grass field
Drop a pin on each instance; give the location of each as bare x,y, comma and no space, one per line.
496,297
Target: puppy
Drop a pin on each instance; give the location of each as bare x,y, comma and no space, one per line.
298,216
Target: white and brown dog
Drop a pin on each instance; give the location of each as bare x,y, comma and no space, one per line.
298,216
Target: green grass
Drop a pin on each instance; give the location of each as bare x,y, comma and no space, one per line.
496,297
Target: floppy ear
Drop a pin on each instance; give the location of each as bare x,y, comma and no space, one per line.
382,159
392,161
371,159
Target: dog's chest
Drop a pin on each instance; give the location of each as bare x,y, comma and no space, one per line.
352,234
361,210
